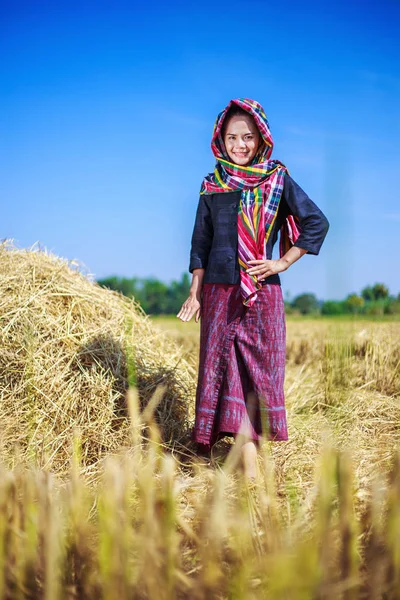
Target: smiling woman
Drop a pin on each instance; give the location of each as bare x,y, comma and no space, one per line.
242,138
243,205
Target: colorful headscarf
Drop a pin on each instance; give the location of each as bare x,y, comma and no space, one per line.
261,183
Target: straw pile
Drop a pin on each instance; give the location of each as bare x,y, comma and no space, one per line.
63,363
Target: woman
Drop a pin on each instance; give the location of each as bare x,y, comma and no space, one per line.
235,288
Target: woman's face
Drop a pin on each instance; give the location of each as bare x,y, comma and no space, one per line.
241,139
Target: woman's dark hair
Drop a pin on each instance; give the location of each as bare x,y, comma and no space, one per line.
233,112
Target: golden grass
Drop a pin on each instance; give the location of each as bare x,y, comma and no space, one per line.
95,504
64,366
149,530
342,385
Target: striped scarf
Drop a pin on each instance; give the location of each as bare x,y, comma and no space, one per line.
261,184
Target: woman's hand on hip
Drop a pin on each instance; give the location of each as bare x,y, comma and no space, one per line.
264,268
190,307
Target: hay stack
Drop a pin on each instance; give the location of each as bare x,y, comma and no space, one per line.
64,342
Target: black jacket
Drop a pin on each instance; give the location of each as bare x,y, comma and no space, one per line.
215,237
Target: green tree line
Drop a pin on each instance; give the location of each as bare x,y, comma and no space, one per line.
373,300
157,297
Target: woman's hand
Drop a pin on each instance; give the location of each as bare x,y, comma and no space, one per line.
264,268
190,307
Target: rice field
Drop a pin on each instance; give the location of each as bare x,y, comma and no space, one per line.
102,497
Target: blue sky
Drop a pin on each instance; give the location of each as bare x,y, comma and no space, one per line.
107,110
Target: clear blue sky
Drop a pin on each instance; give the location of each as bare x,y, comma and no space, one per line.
107,111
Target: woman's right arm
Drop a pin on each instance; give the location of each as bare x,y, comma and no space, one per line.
201,244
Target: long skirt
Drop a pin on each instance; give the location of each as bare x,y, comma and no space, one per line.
242,366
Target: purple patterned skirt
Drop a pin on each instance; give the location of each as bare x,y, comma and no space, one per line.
242,365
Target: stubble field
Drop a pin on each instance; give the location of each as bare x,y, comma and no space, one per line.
342,389
100,492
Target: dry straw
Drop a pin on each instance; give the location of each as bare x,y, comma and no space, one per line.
317,523
68,348
134,537
342,384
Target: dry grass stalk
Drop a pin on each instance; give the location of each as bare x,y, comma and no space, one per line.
134,537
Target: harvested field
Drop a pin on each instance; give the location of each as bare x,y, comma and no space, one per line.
342,385
97,501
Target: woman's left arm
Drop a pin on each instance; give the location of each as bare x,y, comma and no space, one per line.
265,268
313,225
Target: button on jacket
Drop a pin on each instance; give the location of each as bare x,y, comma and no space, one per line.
215,236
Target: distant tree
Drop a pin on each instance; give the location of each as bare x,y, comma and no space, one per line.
306,304
354,303
154,296
393,308
374,308
120,284
368,294
110,282
377,292
178,293
380,291
288,308
332,307
157,297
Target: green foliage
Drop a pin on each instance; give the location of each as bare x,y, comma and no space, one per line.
157,297
380,291
367,294
377,292
306,304
373,301
392,308
353,303
128,287
154,296
332,307
289,310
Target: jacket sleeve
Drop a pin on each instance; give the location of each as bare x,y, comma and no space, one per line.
313,223
202,235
